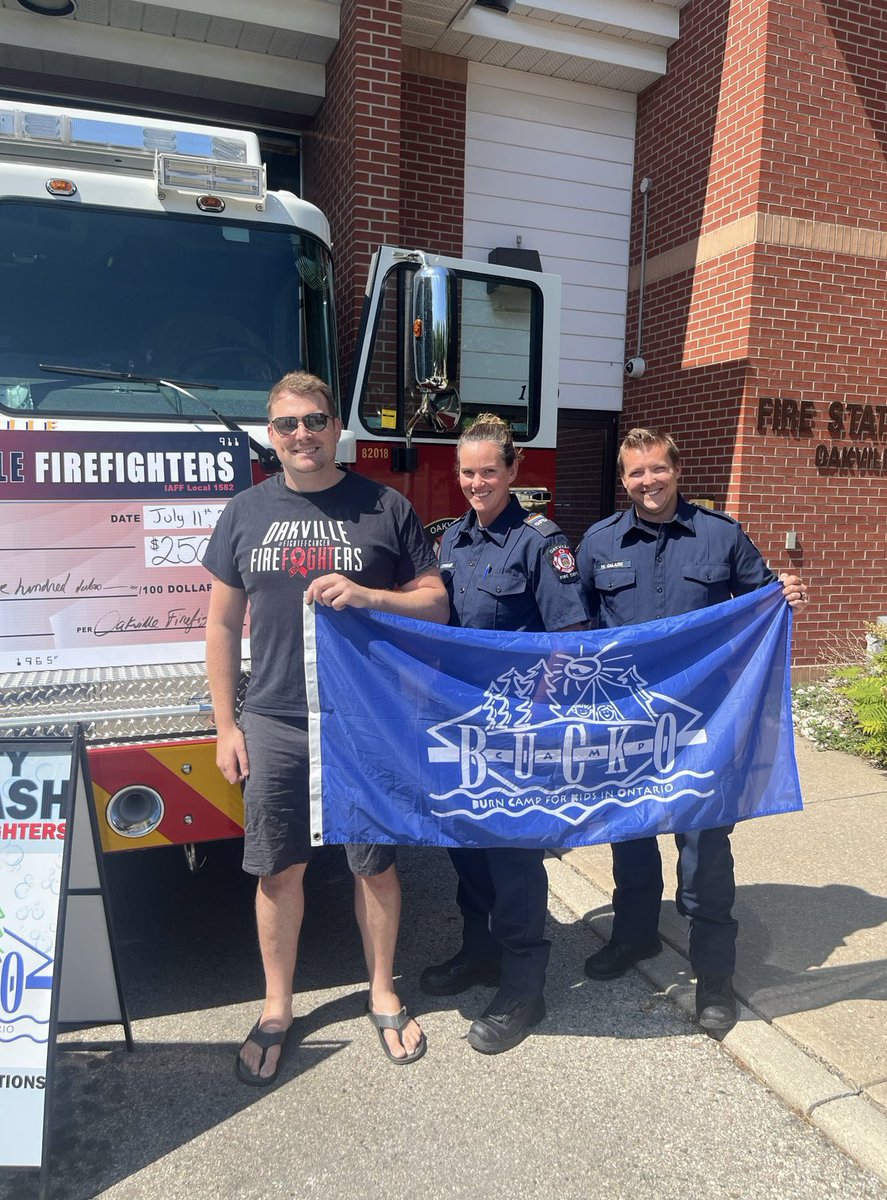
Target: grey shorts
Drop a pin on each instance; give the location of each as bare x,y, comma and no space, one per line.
277,830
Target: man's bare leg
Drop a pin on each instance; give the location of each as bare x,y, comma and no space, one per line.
377,907
280,906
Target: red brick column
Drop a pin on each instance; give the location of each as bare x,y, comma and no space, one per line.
764,321
352,167
432,176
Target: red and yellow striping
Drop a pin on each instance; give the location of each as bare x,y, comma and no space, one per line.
199,804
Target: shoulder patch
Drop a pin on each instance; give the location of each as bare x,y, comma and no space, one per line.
562,561
542,524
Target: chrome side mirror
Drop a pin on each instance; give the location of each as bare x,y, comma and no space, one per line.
440,411
434,306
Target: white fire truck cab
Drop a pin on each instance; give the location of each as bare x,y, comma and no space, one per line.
154,291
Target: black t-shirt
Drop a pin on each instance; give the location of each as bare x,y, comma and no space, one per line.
272,541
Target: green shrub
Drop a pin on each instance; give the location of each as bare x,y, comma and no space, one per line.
865,689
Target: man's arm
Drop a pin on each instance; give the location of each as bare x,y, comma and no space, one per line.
224,631
751,572
423,598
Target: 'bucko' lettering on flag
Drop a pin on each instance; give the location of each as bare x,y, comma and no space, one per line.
422,734
588,723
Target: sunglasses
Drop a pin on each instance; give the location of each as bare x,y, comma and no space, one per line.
314,422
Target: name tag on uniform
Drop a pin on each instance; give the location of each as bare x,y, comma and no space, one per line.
613,565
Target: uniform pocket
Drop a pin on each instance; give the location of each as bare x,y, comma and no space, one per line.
615,579
707,573
616,592
705,584
503,583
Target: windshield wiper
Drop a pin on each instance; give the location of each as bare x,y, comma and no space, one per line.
124,377
268,460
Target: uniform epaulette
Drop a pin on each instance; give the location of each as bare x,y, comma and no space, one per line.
716,512
542,524
606,521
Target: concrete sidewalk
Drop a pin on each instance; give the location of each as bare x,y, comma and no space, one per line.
812,960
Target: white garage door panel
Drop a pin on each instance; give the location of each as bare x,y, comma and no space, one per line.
548,164
599,274
545,86
548,110
607,325
533,135
579,371
578,259
586,198
585,298
590,397
551,220
591,345
549,167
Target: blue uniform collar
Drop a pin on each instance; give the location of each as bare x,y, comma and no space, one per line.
511,516
631,528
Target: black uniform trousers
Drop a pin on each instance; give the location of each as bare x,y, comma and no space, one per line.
705,894
503,895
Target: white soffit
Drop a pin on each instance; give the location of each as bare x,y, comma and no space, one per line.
269,53
621,44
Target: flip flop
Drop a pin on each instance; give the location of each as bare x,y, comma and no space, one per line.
264,1039
398,1022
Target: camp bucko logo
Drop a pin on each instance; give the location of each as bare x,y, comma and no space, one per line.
568,736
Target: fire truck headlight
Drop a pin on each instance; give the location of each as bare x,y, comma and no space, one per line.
135,811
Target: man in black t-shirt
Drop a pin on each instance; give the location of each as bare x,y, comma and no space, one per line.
314,533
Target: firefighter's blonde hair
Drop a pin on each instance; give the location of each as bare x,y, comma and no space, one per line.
301,383
489,427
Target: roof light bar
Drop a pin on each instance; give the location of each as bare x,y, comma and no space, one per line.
179,174
115,136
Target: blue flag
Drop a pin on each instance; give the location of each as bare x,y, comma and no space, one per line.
424,734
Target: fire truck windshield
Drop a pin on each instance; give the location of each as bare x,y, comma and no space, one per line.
232,305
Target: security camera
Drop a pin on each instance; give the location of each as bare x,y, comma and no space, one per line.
635,367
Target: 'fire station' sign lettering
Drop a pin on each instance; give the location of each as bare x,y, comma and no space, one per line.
864,426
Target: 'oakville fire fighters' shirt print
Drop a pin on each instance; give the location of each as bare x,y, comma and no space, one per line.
272,541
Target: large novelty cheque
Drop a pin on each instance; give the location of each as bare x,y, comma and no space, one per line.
427,735
104,534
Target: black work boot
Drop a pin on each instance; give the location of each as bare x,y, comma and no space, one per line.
505,1023
458,973
616,957
715,1004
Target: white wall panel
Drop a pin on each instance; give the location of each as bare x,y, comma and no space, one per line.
583,170
587,199
535,135
550,161
506,102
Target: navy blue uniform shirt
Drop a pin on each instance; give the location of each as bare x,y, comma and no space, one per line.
518,574
635,570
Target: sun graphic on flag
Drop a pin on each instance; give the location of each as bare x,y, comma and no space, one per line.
595,688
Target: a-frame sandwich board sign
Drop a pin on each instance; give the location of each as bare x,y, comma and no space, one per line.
58,960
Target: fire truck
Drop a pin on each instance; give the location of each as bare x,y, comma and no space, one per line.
154,289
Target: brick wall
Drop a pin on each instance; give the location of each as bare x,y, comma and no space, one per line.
432,169
385,160
352,156
766,144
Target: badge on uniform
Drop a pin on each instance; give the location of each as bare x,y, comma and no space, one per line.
563,562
